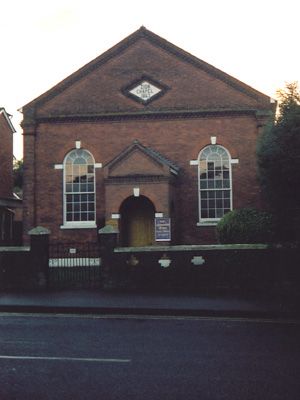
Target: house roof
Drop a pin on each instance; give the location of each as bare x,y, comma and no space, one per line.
157,41
7,118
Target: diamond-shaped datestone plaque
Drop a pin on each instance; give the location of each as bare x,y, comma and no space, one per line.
145,91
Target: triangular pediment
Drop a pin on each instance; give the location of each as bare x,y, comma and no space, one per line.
141,74
137,160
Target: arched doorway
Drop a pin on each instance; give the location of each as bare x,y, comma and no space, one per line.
137,222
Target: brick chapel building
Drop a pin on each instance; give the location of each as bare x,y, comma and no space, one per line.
144,133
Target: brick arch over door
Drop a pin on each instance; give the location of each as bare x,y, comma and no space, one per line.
127,193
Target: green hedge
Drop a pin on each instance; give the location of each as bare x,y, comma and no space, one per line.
246,226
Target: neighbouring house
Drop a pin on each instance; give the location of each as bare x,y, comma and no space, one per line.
147,138
10,205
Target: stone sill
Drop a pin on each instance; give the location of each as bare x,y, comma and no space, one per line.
79,226
212,223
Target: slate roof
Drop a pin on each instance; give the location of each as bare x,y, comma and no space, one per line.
147,150
162,158
7,118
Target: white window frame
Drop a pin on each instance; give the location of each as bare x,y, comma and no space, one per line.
77,224
212,221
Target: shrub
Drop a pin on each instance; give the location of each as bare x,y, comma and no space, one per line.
246,226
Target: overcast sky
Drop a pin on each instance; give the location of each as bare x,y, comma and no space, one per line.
42,42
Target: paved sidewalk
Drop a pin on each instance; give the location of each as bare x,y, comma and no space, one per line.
105,302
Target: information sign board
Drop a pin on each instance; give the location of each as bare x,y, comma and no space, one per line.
162,229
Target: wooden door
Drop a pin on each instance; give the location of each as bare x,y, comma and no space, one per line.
137,218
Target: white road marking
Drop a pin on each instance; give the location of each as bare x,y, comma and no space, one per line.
111,360
154,317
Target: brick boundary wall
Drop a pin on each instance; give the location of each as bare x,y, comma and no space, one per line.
261,269
26,267
253,268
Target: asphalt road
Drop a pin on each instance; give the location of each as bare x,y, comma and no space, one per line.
88,357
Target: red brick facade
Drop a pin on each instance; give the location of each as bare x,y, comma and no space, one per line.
147,145
6,155
10,207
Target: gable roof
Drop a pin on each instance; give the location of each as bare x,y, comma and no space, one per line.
143,33
7,118
136,145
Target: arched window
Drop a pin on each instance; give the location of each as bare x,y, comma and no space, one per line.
79,187
215,197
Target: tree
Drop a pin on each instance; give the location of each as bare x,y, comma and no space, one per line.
18,176
278,158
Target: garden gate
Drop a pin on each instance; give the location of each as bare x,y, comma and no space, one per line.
74,266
